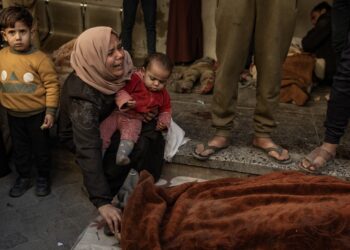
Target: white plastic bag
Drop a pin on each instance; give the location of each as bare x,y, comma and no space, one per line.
174,138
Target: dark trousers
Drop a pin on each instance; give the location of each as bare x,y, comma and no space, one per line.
338,112
30,141
3,155
340,25
149,8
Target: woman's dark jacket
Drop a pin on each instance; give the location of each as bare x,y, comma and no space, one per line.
82,109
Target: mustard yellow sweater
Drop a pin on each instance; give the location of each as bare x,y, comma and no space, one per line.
29,83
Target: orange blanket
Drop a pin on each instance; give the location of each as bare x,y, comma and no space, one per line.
276,211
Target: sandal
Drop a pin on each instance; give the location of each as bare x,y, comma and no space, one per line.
279,150
212,150
314,166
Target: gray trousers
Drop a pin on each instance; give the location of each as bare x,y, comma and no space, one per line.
271,23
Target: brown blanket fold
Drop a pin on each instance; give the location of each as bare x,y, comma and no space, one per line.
276,211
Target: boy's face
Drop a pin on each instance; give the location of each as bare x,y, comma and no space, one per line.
156,76
18,37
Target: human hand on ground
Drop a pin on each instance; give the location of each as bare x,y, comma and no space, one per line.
112,216
48,121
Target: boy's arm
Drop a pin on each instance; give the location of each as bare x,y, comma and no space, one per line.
49,79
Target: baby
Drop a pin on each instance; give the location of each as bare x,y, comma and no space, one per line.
144,93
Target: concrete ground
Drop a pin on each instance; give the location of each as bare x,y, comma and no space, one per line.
58,221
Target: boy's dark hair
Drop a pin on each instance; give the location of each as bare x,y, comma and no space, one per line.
321,6
163,59
9,16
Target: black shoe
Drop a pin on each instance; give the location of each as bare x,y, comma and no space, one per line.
20,187
42,186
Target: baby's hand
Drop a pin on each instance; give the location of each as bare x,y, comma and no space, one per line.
48,121
131,104
160,126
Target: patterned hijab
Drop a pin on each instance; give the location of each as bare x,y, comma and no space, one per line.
89,56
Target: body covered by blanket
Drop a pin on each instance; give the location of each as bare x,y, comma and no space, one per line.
275,211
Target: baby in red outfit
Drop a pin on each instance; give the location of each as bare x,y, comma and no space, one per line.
144,93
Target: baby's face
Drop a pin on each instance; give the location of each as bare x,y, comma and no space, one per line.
156,76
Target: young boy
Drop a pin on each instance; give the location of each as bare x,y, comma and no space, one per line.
143,94
30,93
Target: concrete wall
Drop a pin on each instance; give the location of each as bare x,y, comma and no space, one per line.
209,31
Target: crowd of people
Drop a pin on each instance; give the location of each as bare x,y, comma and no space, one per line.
112,115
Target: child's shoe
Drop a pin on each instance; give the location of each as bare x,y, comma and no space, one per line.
42,186
20,187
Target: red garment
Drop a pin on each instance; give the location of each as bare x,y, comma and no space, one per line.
185,33
146,100
129,122
129,128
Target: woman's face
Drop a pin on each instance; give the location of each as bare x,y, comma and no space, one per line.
115,57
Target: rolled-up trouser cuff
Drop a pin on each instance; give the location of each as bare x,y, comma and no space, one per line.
262,135
223,132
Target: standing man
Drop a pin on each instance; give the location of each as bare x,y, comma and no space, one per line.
149,8
271,23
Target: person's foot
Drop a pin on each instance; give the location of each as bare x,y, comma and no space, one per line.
318,158
122,160
42,186
217,143
273,150
20,187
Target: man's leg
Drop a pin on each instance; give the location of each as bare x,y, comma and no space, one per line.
234,32
129,13
149,8
274,28
340,25
338,114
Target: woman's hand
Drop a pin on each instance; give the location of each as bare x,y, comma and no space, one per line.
161,126
147,117
112,216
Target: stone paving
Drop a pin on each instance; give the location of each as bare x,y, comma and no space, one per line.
300,129
51,222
